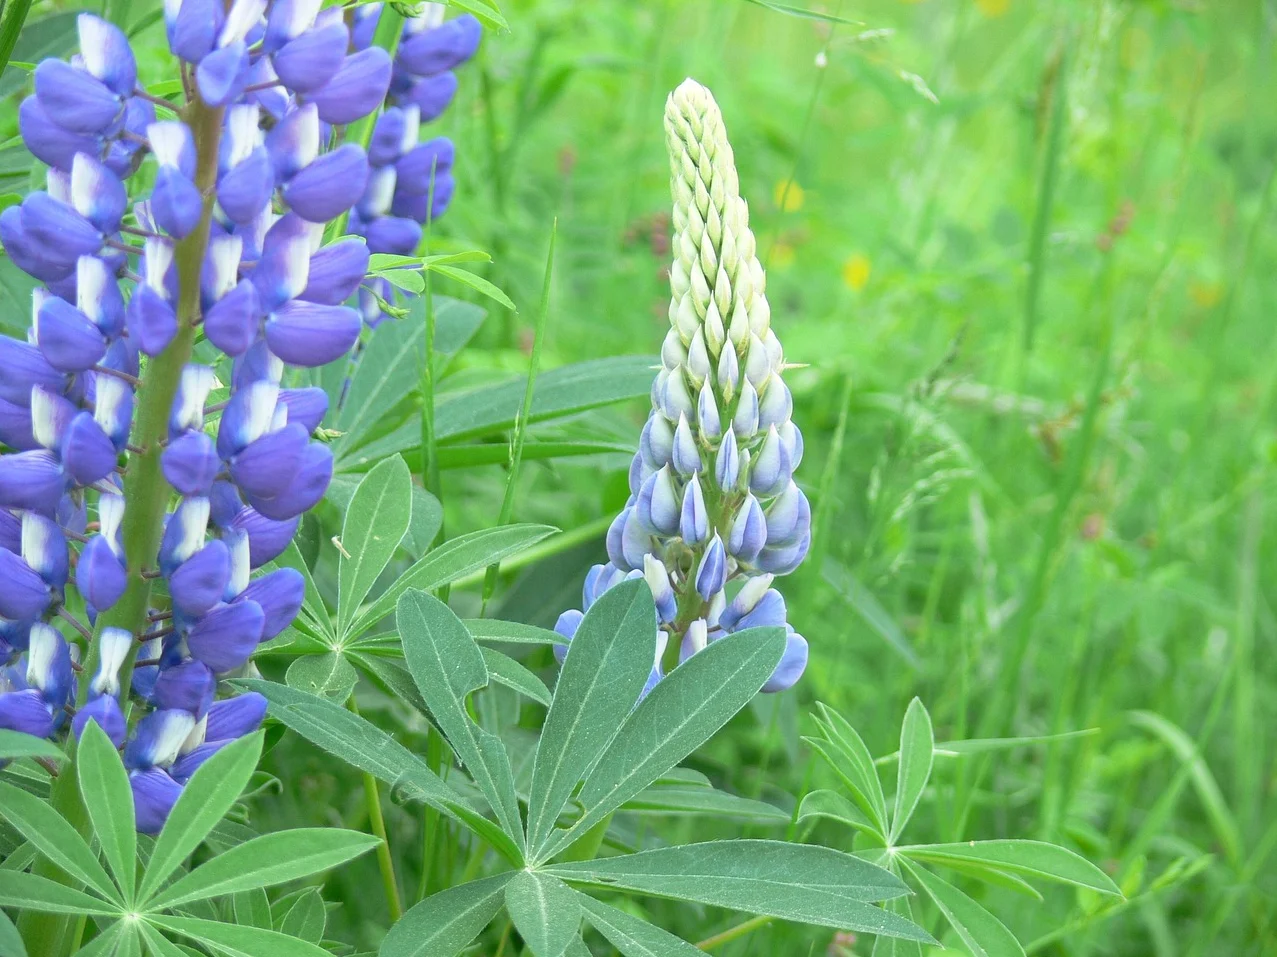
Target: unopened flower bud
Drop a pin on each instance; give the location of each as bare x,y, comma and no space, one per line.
711,426
687,454
693,520
694,639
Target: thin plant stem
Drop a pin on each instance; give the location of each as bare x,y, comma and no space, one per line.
734,933
386,864
525,412
552,546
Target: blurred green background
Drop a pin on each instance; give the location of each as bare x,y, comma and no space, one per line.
1022,251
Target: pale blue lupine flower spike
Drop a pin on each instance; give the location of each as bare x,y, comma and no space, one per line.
714,514
281,73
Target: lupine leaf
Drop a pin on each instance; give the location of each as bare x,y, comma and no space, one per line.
51,835
252,908
425,522
814,885
703,800
475,282
104,785
450,561
204,801
306,918
1034,858
630,935
512,632
32,892
607,664
54,35
857,764
834,806
16,744
10,941
391,675
983,933
312,604
917,747
264,861
677,717
365,746
544,911
445,923
235,940
504,670
328,675
158,945
376,522
447,666
885,946
109,943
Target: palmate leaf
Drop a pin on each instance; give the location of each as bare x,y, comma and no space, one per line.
607,664
845,752
447,666
375,523
51,835
983,933
630,935
450,561
104,785
512,632
544,911
204,801
264,861
917,749
1031,858
363,745
801,882
445,923
832,805
679,715
234,940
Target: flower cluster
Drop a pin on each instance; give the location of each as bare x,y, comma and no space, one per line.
713,509
410,184
226,244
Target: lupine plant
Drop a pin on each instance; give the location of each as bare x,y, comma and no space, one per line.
183,426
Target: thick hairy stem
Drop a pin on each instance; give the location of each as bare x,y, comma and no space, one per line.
146,496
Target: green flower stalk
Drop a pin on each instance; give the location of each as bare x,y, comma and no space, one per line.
714,509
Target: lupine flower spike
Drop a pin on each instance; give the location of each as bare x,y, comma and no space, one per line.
249,187
714,514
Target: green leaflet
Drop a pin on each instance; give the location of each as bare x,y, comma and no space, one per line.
53,837
445,923
607,664
1033,858
545,912
917,750
631,936
447,666
32,892
104,785
375,523
15,744
237,941
329,675
981,931
815,885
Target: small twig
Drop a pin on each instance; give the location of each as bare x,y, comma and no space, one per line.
135,449
160,615
146,662
255,87
144,233
107,370
340,547
151,573
134,137
75,623
157,100
74,536
122,247
49,765
216,407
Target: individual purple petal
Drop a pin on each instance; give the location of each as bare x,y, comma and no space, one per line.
48,142
425,208
49,668
31,480
185,532
97,194
280,594
113,406
193,27
55,230
247,416
356,88
225,637
307,488
293,143
284,267
151,321
335,272
25,367
312,59
788,516
396,235
267,538
245,190
100,576
15,426
188,686
222,75
387,137
786,558
423,164
566,626
105,711
288,19
266,466
793,662
711,575
10,531
442,48
106,54
330,185
693,518
175,203
771,469
25,594
198,583
88,453
306,407
66,336
232,322
657,577
27,712
432,94
44,548
98,296
366,17
310,334
190,463
173,145
154,792
81,102
748,534
186,766
235,717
